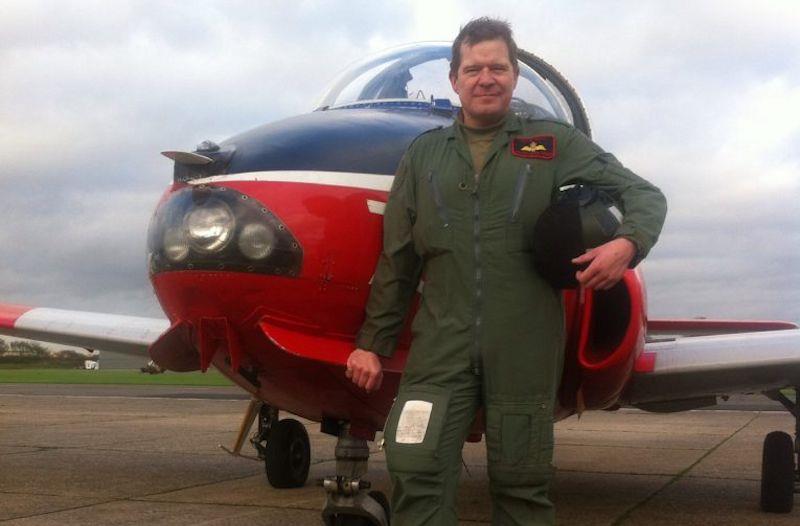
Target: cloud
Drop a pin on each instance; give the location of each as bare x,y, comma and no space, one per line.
700,99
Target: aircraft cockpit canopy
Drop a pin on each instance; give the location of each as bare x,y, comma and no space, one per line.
417,76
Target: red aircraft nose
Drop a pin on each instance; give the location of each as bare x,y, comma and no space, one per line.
267,280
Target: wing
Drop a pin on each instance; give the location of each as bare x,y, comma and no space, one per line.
707,366
92,330
677,328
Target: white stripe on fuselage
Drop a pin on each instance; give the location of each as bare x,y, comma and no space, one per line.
376,207
348,179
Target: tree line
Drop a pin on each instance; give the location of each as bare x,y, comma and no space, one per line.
27,353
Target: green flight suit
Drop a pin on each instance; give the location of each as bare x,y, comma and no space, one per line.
489,331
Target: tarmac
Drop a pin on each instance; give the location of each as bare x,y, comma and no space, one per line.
133,455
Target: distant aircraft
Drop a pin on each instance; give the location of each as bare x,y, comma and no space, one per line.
261,253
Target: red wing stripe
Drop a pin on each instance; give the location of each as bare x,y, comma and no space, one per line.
718,325
9,314
646,362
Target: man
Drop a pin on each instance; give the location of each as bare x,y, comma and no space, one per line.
489,330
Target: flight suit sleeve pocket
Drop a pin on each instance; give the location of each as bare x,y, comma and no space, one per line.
413,430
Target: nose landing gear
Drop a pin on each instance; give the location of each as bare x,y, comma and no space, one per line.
285,448
349,503
780,468
283,445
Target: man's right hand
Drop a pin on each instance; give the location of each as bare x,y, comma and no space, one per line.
365,370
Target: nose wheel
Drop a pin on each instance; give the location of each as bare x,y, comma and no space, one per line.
285,448
780,467
288,454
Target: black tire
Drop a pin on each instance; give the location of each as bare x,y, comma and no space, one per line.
381,499
288,454
777,473
354,520
349,520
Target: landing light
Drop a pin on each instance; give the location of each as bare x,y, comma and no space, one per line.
176,246
210,226
256,241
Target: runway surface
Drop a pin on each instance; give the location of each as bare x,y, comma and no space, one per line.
133,455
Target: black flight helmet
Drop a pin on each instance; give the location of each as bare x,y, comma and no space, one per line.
582,217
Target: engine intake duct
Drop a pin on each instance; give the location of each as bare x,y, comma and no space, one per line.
610,334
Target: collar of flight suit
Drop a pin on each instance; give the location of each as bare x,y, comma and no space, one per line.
456,139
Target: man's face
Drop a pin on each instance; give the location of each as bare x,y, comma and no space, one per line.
484,82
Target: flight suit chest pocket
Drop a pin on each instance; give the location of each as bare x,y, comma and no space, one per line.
413,430
517,238
433,232
433,239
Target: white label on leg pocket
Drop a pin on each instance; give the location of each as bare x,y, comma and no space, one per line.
413,422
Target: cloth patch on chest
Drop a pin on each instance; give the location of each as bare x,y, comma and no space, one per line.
413,422
536,147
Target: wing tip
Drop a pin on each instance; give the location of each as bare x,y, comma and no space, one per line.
10,313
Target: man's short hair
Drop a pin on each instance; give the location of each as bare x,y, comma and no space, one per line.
479,30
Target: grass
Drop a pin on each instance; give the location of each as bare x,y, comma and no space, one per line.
212,378
790,394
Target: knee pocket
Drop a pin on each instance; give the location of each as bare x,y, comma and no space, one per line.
414,428
519,441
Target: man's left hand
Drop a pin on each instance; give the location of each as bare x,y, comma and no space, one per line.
607,264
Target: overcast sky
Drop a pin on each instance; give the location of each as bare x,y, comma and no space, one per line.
702,98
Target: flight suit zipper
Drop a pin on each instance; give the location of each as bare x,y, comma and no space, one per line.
476,349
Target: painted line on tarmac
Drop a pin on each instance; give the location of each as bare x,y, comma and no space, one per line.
683,473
